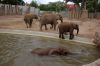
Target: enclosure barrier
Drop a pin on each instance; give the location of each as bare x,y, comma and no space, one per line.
6,9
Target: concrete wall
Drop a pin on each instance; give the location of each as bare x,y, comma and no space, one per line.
6,9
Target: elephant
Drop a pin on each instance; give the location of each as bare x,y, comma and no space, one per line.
67,27
59,17
48,19
28,18
50,51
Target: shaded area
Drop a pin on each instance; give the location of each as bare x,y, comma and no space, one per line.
15,51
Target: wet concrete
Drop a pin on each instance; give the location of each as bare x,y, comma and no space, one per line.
45,34
15,50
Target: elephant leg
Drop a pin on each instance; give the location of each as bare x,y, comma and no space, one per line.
41,27
71,35
26,22
30,23
54,27
59,35
62,36
46,27
27,25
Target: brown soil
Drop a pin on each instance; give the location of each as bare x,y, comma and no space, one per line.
87,27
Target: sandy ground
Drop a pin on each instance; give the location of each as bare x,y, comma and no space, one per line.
87,27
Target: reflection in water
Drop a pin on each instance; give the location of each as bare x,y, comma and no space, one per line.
15,51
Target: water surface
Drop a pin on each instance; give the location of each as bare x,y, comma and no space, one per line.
15,51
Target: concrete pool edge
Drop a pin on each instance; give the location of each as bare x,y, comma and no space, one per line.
45,34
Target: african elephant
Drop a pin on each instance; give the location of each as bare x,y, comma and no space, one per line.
59,17
48,19
28,18
67,27
50,51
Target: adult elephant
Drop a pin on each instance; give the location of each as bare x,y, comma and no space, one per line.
50,51
58,16
67,27
48,19
28,18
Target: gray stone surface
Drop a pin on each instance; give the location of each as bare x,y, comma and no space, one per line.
95,63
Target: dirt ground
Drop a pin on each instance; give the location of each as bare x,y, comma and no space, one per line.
87,27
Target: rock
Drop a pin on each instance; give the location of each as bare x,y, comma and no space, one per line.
96,39
95,63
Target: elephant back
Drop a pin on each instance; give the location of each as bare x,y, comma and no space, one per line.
30,16
48,18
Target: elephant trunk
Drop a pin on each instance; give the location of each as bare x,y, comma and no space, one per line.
61,20
77,29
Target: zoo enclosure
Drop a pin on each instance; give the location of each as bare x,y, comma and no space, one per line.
6,9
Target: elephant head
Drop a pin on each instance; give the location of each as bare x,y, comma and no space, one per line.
76,27
63,51
34,16
59,17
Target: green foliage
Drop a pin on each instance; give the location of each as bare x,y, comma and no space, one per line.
77,1
52,6
0,1
98,7
34,4
56,6
43,7
13,2
92,5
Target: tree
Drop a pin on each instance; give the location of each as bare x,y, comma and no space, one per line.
92,5
0,1
43,7
98,7
52,6
56,6
34,4
13,2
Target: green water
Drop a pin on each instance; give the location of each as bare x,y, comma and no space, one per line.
15,51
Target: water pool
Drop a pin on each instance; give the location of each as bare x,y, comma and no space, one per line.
15,51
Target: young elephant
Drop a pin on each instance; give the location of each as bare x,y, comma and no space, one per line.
28,18
67,27
59,17
48,19
50,51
